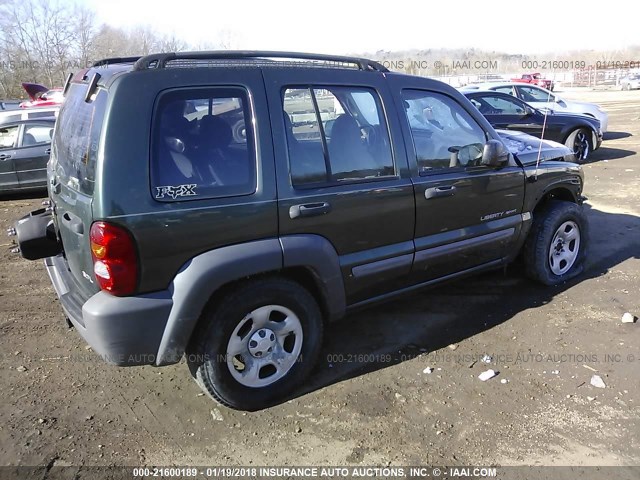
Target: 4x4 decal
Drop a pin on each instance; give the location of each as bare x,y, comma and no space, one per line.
174,191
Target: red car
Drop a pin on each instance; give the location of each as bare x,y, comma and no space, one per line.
535,79
42,96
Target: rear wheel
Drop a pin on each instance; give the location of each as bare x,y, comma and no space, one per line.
579,141
257,344
557,244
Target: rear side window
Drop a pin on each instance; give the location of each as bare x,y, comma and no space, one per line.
77,138
336,135
39,114
203,145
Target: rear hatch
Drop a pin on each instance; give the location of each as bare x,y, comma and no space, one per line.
71,174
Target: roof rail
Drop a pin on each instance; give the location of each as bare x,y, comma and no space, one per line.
160,60
110,61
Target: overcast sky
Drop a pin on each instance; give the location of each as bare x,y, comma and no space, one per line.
343,26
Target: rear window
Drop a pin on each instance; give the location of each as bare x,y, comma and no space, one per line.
77,138
203,145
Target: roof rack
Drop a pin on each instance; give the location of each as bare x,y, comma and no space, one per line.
110,61
160,60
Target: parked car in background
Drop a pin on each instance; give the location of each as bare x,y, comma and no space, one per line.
25,146
578,132
541,98
9,105
28,114
534,79
630,82
42,96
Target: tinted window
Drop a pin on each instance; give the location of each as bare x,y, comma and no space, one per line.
531,94
8,136
77,138
507,90
202,146
11,118
336,134
497,105
40,114
37,134
444,134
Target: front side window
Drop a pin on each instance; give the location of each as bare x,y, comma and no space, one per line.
336,135
497,105
36,134
8,136
444,134
202,145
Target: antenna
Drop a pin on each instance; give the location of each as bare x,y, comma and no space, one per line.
544,126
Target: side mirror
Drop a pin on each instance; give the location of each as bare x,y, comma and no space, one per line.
494,154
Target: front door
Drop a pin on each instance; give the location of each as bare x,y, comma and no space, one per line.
509,113
8,141
466,213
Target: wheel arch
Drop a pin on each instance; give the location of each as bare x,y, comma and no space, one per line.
579,126
556,193
307,259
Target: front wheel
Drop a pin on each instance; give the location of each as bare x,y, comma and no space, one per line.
579,141
557,244
257,344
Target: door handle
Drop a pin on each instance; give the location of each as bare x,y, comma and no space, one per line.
309,209
4,156
444,191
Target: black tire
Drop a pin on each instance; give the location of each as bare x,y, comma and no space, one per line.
536,253
582,137
206,355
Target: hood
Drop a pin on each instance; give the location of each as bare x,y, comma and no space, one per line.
525,148
34,90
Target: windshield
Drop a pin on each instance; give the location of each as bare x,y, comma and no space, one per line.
76,139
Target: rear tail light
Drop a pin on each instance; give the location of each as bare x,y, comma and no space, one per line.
115,261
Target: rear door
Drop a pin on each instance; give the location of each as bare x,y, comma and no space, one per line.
467,214
71,178
8,141
32,154
342,172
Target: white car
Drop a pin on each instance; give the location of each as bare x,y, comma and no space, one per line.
541,98
630,82
28,113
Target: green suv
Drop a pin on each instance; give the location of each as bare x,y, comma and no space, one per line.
226,205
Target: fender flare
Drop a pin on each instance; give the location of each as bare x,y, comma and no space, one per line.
203,275
318,255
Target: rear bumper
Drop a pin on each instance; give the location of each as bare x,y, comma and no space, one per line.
124,331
